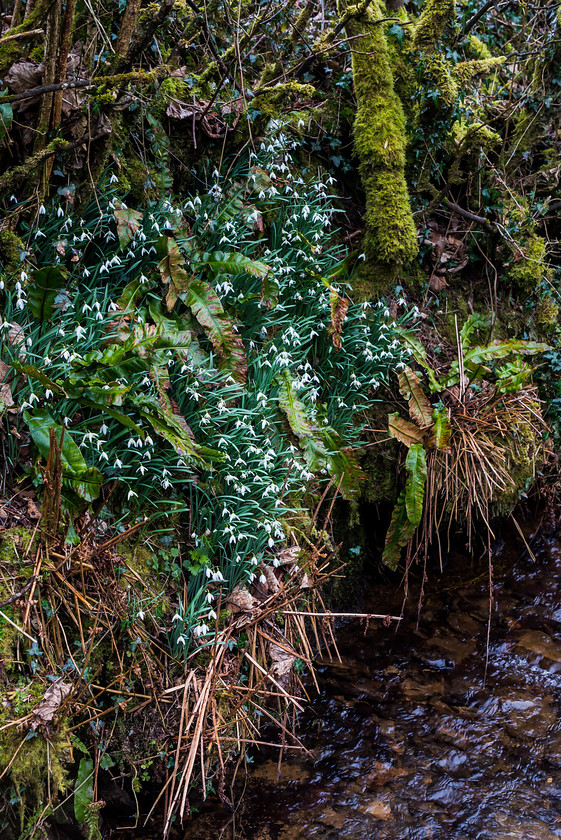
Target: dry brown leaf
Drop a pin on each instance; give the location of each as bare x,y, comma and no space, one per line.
273,585
32,510
282,664
437,283
45,712
288,555
240,600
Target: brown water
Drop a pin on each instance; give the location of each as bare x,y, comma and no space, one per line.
408,739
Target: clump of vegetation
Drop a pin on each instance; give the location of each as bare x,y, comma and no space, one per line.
223,231
474,441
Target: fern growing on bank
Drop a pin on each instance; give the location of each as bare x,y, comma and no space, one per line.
203,354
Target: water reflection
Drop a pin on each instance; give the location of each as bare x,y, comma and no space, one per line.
410,741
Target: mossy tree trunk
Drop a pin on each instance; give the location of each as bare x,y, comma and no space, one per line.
390,238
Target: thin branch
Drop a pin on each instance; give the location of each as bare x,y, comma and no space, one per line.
467,214
29,34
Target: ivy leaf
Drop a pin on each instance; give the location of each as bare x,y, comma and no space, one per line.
42,291
416,466
128,222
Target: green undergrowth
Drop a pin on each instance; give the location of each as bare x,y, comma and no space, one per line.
204,354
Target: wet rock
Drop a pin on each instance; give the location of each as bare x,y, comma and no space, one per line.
379,809
414,690
384,772
540,643
464,624
452,647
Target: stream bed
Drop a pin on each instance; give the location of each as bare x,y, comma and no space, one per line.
410,738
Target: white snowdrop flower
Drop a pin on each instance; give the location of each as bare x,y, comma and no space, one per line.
132,494
181,640
270,542
208,571
166,483
262,579
177,617
113,179
141,469
86,308
118,464
209,597
80,332
60,212
42,210
140,614
13,198
211,615
48,394
25,405
66,421
276,563
217,577
85,273
99,316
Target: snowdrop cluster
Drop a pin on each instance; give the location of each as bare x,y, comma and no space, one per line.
237,510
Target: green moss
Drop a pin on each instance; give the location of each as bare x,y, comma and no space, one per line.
474,134
16,559
10,248
436,14
14,49
465,71
38,764
546,315
477,48
437,72
529,266
524,454
380,138
269,100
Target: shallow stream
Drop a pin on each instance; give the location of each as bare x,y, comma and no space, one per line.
410,739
